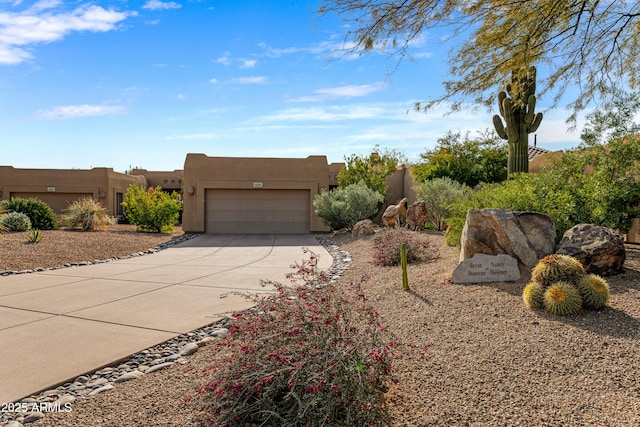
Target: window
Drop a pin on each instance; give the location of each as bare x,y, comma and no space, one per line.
119,200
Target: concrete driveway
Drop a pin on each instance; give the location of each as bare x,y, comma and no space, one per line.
58,324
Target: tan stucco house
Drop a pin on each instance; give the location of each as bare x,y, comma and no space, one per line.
254,195
60,187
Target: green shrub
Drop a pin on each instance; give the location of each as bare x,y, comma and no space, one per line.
439,194
40,214
343,207
307,355
386,247
593,185
151,210
15,221
86,214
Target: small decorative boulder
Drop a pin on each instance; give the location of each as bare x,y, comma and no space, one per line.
363,228
599,249
526,236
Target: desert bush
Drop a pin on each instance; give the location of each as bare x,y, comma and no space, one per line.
521,192
15,221
343,207
373,170
386,247
40,214
308,355
151,210
439,194
34,236
86,214
597,183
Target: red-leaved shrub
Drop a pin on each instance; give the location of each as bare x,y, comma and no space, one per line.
386,247
308,354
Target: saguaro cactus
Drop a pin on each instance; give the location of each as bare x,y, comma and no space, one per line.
519,116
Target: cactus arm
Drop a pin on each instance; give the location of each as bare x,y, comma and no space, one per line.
531,106
497,124
534,125
501,97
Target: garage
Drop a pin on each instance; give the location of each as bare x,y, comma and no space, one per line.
57,201
252,211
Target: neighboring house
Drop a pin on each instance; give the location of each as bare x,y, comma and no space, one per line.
220,194
169,181
61,187
254,195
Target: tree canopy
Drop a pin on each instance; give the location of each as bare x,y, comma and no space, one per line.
594,45
372,170
466,160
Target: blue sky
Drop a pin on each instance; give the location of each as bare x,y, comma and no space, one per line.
119,83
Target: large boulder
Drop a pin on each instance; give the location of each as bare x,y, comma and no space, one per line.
363,228
417,216
526,236
599,249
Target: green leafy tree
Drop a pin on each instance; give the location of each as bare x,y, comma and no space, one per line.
465,160
373,170
614,120
439,194
589,45
151,210
343,207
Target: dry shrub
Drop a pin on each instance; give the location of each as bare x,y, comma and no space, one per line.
305,355
387,244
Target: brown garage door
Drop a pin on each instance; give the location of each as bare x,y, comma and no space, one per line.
58,201
257,211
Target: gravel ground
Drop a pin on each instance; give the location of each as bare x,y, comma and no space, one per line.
59,247
490,360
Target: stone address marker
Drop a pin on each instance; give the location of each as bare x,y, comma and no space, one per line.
487,268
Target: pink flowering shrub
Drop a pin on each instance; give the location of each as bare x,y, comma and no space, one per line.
309,354
386,247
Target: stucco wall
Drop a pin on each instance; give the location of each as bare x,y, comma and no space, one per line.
167,180
202,172
102,184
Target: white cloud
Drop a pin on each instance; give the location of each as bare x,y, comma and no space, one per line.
248,63
328,114
75,111
213,81
224,59
43,5
422,55
159,5
180,97
345,91
192,137
249,80
39,24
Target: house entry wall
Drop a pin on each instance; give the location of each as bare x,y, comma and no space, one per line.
257,211
58,201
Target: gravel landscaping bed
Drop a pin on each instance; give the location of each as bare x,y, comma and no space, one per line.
490,361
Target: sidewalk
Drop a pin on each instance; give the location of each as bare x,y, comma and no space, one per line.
58,324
